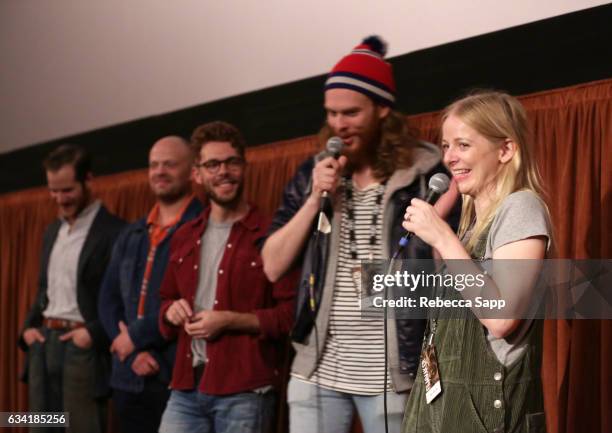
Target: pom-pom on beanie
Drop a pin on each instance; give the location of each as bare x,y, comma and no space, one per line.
364,70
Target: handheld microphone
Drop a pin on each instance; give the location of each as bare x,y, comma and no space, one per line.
333,147
438,185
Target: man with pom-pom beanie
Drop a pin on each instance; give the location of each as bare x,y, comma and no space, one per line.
340,358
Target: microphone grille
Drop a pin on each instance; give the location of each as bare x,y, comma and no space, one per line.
334,146
439,183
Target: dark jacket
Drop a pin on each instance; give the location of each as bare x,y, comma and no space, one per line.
405,336
236,361
93,260
120,293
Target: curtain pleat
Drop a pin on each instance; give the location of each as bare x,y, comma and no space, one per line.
572,128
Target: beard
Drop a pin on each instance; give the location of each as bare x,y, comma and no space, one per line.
172,194
367,153
228,202
74,209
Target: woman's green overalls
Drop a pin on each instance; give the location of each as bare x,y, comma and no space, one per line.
479,394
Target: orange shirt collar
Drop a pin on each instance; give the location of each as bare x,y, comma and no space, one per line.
153,218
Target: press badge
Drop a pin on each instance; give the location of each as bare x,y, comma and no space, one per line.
431,374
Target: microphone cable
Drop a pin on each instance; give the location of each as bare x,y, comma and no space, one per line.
386,335
438,185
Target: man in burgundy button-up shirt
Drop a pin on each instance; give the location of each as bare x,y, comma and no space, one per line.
217,300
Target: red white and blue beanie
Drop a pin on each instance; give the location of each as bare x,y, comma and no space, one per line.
365,71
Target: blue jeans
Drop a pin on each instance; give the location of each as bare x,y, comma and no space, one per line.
313,409
195,412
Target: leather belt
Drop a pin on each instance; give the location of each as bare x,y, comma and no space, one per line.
52,323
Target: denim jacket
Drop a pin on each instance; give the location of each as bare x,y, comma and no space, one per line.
119,297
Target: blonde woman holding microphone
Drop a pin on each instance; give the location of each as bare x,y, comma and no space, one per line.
486,370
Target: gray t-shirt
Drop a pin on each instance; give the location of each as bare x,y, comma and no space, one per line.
213,244
522,215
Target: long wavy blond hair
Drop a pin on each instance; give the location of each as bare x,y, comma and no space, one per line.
394,147
498,117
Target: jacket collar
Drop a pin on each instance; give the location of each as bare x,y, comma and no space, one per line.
249,222
194,208
425,157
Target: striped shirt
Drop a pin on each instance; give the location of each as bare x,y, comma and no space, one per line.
353,356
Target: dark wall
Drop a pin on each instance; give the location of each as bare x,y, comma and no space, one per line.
556,52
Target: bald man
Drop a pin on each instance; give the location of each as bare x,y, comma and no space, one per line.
129,298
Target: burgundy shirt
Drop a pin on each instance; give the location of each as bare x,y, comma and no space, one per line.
237,362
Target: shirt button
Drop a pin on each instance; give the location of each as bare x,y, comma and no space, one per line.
497,376
195,267
497,404
206,360
216,302
221,271
180,260
198,242
189,355
253,264
229,245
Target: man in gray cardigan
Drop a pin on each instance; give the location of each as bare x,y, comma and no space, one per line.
340,359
